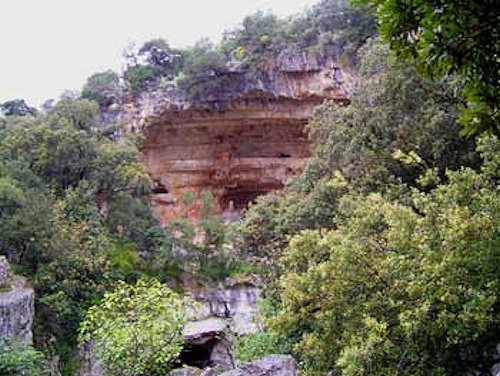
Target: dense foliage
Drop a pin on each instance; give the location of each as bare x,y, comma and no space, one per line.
73,204
459,38
203,72
16,359
400,288
137,329
153,61
103,87
328,23
393,110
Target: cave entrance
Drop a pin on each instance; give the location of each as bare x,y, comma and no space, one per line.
159,187
238,198
197,355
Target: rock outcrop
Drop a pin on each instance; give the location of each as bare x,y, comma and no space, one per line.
234,302
89,364
17,306
272,365
238,142
186,371
230,308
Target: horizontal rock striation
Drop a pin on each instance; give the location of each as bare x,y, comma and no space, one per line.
238,142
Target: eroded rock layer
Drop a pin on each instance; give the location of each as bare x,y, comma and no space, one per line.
235,154
238,143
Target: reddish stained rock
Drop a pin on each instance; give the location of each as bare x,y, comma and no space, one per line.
241,142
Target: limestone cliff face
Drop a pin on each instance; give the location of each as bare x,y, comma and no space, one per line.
242,141
16,306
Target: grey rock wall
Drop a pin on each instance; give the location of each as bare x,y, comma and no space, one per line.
237,303
90,365
17,306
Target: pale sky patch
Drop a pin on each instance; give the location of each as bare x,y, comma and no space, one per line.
48,46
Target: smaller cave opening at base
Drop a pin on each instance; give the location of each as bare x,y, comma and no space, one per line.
197,355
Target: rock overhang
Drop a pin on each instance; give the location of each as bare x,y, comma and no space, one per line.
239,142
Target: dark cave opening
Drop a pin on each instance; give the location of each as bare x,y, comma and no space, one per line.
197,355
238,198
159,187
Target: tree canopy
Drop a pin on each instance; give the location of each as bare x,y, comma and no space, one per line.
17,107
460,38
137,329
63,191
400,288
103,87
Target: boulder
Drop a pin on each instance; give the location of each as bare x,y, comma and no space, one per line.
272,365
236,302
185,371
201,331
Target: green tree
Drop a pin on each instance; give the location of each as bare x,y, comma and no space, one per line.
400,288
82,114
450,38
257,35
159,54
154,60
204,72
102,87
137,329
140,77
343,22
17,107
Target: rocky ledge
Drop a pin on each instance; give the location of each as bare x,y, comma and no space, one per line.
272,365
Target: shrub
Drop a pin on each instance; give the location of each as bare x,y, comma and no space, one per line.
16,359
137,329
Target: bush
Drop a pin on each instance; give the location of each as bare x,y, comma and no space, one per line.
17,360
140,77
153,61
257,345
137,330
